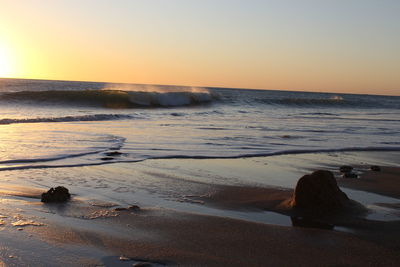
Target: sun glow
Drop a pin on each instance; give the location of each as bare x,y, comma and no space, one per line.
5,62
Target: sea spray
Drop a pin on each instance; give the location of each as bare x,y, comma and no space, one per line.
164,96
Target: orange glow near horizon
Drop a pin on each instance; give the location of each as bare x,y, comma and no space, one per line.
119,42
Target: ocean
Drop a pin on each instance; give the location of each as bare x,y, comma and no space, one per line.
47,124
166,146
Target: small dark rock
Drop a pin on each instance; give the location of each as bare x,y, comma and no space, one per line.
130,208
142,264
375,168
346,169
349,175
134,208
58,194
113,154
107,158
120,209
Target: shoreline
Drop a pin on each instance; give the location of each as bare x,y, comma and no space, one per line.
370,181
192,215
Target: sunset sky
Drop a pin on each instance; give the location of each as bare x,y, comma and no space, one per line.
313,45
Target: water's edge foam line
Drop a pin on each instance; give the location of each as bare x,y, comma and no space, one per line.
278,153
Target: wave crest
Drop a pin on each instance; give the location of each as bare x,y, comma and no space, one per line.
114,98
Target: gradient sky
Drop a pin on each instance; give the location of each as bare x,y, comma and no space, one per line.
311,45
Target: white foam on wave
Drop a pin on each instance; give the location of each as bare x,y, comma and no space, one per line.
155,88
165,96
337,98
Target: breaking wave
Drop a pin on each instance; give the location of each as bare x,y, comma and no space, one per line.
111,98
333,101
96,117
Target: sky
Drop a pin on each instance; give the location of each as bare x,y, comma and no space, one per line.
349,46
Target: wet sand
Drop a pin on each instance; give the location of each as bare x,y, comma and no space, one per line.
169,237
81,234
385,182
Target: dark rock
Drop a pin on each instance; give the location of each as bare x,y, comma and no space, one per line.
107,158
345,169
120,209
375,168
349,175
58,194
142,264
176,114
130,208
310,223
134,208
113,154
318,194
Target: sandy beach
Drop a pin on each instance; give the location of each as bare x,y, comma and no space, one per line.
199,133
200,223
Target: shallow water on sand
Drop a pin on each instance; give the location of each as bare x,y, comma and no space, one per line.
178,184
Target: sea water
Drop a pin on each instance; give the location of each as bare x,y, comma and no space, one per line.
56,123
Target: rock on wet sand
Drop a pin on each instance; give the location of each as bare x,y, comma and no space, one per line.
58,194
318,194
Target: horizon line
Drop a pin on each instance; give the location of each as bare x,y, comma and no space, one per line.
177,85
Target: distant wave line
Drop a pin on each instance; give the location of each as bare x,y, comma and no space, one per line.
326,102
95,117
